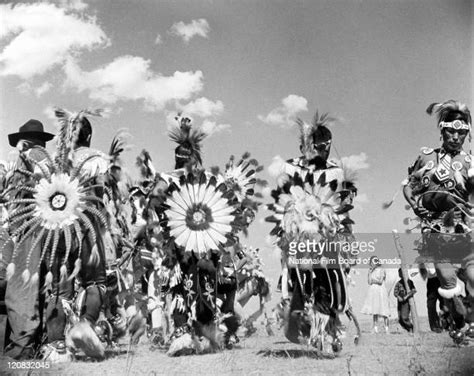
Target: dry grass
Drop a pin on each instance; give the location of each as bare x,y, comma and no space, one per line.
397,353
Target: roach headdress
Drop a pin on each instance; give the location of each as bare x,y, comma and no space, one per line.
451,114
189,143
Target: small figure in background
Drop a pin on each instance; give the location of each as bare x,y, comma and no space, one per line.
428,273
402,293
376,302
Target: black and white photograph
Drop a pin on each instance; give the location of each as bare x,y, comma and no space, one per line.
236,187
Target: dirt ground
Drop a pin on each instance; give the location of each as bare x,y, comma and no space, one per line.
397,353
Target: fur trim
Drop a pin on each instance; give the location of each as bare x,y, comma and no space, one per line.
185,345
451,293
10,270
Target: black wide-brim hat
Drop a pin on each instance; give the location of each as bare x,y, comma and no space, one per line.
32,129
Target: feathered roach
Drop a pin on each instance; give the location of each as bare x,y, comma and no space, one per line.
444,109
319,124
189,142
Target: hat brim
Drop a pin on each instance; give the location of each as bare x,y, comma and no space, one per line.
42,136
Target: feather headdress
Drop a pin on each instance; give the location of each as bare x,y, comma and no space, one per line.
445,109
189,142
318,127
145,165
59,204
452,114
118,146
309,205
69,127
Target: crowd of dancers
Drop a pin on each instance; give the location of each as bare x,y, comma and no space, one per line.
90,256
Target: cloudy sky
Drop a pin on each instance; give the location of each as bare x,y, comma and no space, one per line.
244,70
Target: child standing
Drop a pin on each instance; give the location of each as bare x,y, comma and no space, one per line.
402,293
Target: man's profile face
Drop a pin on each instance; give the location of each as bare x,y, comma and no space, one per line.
453,139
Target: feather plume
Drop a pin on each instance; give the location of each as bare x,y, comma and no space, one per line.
25,276
34,279
147,170
63,272
77,269
442,110
118,146
48,281
189,140
94,256
69,123
10,270
215,170
307,132
306,140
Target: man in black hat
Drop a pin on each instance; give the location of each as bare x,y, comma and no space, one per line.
23,331
31,133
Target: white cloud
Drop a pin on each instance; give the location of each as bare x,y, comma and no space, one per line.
78,5
202,107
277,167
285,114
39,36
158,39
130,78
211,127
45,87
49,112
170,119
355,162
187,31
26,88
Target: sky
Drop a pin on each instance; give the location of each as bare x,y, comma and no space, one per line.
244,71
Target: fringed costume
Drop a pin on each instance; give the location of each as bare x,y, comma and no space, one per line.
439,186
24,319
66,220
199,214
312,204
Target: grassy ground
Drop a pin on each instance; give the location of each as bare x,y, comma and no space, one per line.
396,353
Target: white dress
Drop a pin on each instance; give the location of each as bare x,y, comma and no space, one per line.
376,302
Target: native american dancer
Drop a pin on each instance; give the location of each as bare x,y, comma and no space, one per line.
312,203
438,189
157,272
248,267
24,321
67,220
200,214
